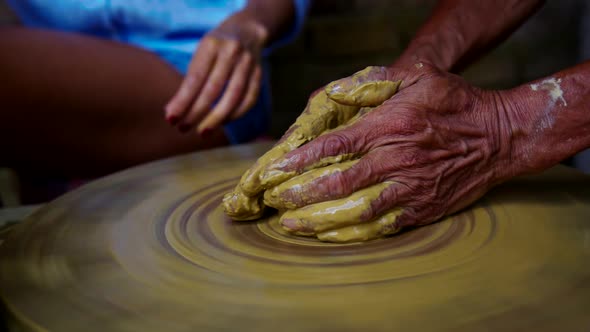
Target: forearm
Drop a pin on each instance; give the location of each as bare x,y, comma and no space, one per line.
459,31
274,16
550,118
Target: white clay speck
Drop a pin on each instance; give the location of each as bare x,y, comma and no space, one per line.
553,86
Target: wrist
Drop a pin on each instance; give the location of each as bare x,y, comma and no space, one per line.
273,18
425,50
553,114
244,27
253,23
527,148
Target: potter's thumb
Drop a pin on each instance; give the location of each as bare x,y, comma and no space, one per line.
368,87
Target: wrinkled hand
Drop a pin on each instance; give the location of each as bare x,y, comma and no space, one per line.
429,151
369,87
225,68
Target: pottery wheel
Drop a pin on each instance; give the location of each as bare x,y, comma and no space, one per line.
149,249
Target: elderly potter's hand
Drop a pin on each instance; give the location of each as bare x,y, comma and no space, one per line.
369,87
429,151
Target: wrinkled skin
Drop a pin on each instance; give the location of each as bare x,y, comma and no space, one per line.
439,144
228,54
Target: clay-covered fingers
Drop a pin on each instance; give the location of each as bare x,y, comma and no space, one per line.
368,87
343,202
239,206
322,184
387,224
374,85
334,147
363,207
321,114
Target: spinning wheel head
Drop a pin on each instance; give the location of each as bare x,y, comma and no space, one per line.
150,249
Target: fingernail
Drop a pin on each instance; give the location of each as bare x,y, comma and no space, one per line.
172,119
290,224
184,127
272,177
206,132
333,87
271,198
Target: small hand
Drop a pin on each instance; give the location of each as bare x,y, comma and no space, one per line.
225,68
429,151
321,115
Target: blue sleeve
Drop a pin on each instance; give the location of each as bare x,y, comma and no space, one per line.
301,10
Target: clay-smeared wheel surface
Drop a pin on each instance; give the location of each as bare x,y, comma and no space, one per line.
149,249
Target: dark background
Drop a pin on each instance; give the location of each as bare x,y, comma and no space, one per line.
343,36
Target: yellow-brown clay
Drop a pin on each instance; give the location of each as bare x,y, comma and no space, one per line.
325,111
274,197
321,114
149,249
384,225
239,206
320,217
361,89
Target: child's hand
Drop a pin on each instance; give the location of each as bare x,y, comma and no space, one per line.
223,79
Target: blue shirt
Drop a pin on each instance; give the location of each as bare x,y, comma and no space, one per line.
170,28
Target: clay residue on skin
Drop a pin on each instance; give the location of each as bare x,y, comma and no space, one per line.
321,217
239,206
553,87
339,104
321,114
273,175
275,172
288,195
331,160
384,225
362,90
